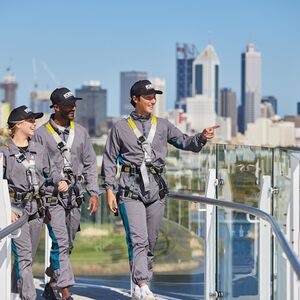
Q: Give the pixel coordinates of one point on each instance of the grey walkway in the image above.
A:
(88, 289)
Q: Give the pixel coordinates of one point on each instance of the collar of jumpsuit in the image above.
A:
(13, 149)
(59, 129)
(136, 116)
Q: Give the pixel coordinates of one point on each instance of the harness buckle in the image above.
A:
(60, 145)
(80, 179)
(21, 158)
(141, 139)
(127, 169)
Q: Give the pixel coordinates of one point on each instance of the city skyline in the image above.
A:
(72, 43)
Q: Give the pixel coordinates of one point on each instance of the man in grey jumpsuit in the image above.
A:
(77, 161)
(139, 144)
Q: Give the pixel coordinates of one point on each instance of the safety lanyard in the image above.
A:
(146, 146)
(30, 170)
(64, 147)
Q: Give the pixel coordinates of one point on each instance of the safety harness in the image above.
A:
(34, 190)
(146, 166)
(65, 151)
(146, 144)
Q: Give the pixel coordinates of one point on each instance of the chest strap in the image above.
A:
(64, 147)
(30, 171)
(146, 144)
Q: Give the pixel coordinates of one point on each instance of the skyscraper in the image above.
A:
(206, 75)
(127, 79)
(201, 107)
(272, 100)
(250, 87)
(9, 85)
(298, 108)
(91, 111)
(185, 56)
(160, 106)
(39, 101)
(228, 108)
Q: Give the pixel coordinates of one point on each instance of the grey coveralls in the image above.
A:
(65, 212)
(24, 247)
(142, 217)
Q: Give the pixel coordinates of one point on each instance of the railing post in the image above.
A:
(224, 222)
(48, 244)
(210, 237)
(5, 244)
(264, 252)
(293, 226)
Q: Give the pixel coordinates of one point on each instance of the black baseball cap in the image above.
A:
(63, 96)
(22, 113)
(143, 87)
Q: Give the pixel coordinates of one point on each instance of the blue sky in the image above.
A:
(96, 39)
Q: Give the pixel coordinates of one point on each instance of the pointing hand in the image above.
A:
(209, 133)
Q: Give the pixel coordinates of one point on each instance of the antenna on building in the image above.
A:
(9, 67)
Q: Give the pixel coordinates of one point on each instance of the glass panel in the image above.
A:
(187, 171)
(280, 272)
(240, 173)
(184, 225)
(179, 263)
(282, 180)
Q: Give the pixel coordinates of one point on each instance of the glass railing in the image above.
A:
(244, 275)
(243, 250)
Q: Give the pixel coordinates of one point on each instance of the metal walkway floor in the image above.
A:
(118, 288)
(89, 290)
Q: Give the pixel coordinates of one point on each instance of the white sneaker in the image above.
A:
(136, 293)
(146, 294)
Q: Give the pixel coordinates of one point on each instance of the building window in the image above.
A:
(199, 79)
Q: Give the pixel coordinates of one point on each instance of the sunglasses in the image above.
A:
(149, 97)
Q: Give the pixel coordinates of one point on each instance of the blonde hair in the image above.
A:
(12, 130)
(4, 132)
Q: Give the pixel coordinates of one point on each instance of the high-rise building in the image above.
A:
(40, 101)
(127, 79)
(266, 132)
(201, 107)
(206, 75)
(228, 108)
(185, 56)
(266, 110)
(160, 106)
(272, 100)
(91, 111)
(298, 108)
(9, 85)
(250, 87)
(200, 112)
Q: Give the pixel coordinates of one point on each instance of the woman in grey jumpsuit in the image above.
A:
(26, 168)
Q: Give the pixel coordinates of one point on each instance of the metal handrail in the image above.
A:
(253, 211)
(16, 225)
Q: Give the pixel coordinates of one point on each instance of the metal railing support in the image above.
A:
(5, 242)
(210, 237)
(293, 226)
(264, 240)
